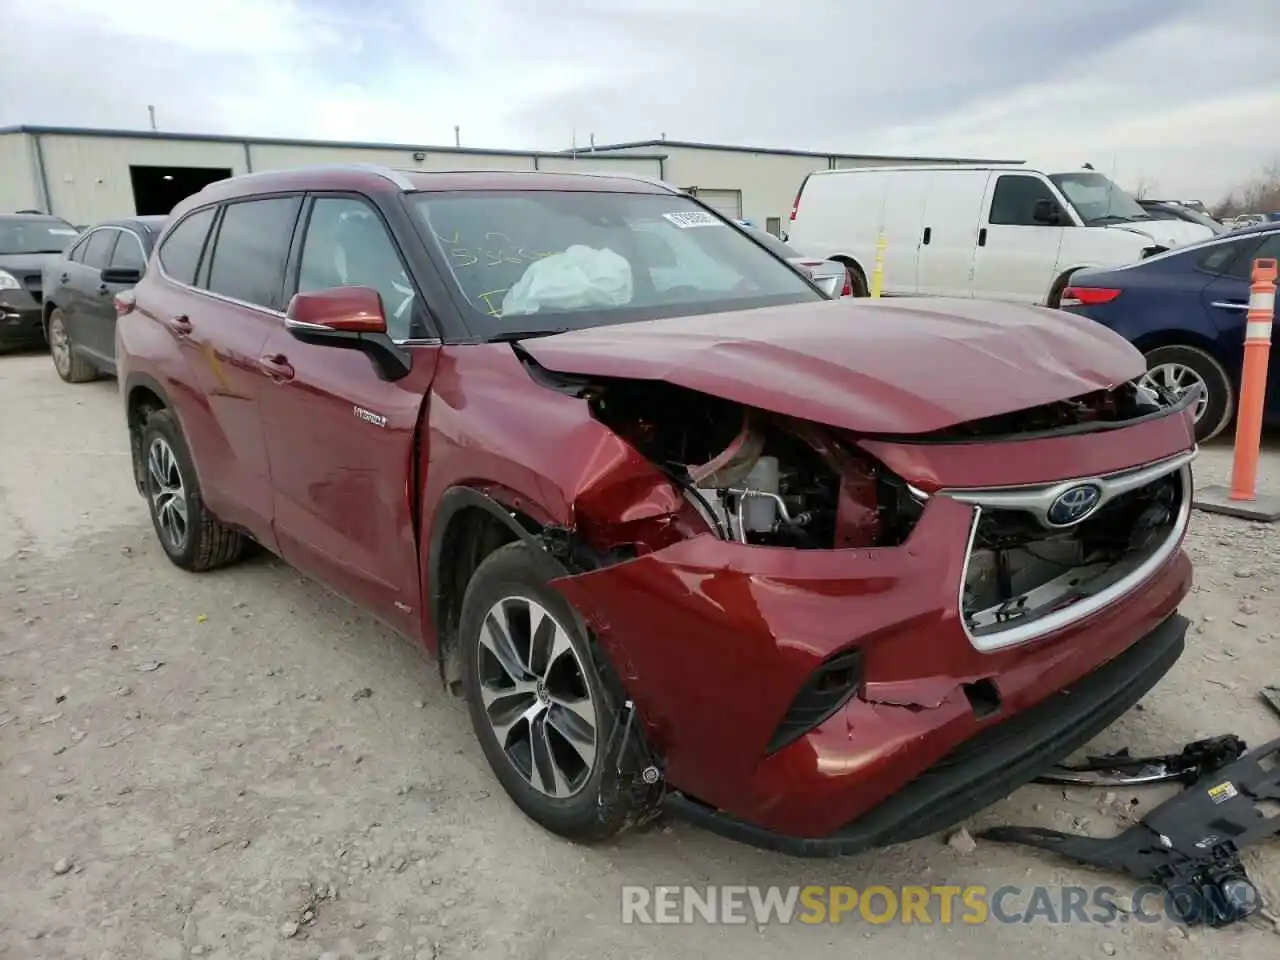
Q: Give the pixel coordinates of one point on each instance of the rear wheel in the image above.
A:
(857, 280)
(539, 704)
(1177, 369)
(70, 366)
(190, 535)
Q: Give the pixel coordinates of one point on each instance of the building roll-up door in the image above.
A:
(727, 203)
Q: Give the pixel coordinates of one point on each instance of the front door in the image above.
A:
(342, 441)
(100, 307)
(1017, 256)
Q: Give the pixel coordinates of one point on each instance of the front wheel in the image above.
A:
(1177, 369)
(540, 707)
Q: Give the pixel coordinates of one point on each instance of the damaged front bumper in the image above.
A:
(718, 644)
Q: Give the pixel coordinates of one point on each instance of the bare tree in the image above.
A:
(1145, 188)
(1261, 194)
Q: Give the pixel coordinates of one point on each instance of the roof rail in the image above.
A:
(377, 169)
(642, 178)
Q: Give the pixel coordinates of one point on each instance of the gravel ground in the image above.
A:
(238, 765)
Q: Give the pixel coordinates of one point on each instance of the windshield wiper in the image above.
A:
(510, 336)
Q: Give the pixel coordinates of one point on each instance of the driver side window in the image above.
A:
(347, 244)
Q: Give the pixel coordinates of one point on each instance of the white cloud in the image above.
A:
(1184, 92)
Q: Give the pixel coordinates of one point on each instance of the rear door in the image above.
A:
(1016, 256)
(227, 301)
(84, 278)
(949, 238)
(341, 439)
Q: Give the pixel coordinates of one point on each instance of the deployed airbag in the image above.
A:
(579, 278)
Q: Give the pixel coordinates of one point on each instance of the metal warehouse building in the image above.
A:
(88, 175)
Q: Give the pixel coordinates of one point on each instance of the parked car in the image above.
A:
(820, 574)
(831, 276)
(991, 232)
(1173, 210)
(1185, 310)
(27, 242)
(80, 287)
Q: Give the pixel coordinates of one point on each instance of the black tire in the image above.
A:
(1221, 406)
(596, 811)
(71, 367)
(857, 279)
(1055, 294)
(206, 543)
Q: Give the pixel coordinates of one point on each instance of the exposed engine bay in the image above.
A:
(1019, 571)
(757, 477)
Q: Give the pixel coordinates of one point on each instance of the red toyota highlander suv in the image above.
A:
(684, 532)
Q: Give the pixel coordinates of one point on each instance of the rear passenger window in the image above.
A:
(97, 253)
(1014, 201)
(251, 249)
(180, 252)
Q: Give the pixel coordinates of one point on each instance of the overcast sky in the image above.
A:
(1185, 93)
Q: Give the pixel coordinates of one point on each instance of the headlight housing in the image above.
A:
(8, 281)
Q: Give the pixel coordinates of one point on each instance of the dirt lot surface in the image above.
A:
(238, 765)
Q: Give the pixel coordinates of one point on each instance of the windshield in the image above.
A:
(541, 260)
(1098, 200)
(35, 236)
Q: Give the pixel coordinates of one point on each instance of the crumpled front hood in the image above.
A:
(1167, 233)
(898, 366)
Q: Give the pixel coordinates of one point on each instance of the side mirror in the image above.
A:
(348, 318)
(126, 276)
(1047, 212)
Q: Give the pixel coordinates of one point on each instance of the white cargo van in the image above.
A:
(990, 232)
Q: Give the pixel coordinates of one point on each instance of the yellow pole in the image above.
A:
(877, 275)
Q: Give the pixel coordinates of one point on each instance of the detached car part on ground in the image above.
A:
(818, 574)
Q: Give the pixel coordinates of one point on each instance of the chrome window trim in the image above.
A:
(1031, 497)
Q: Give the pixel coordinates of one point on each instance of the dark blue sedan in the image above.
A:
(1185, 310)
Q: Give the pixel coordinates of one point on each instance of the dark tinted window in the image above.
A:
(251, 249)
(76, 253)
(1219, 257)
(97, 253)
(1251, 250)
(347, 244)
(128, 254)
(180, 252)
(1015, 198)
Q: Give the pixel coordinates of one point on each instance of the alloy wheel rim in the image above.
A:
(59, 345)
(1176, 379)
(536, 697)
(168, 493)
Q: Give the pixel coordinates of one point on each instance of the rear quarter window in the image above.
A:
(180, 252)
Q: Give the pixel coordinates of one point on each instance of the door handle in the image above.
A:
(1229, 305)
(982, 237)
(928, 234)
(180, 325)
(277, 367)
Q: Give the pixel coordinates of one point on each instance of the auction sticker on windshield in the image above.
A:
(685, 219)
